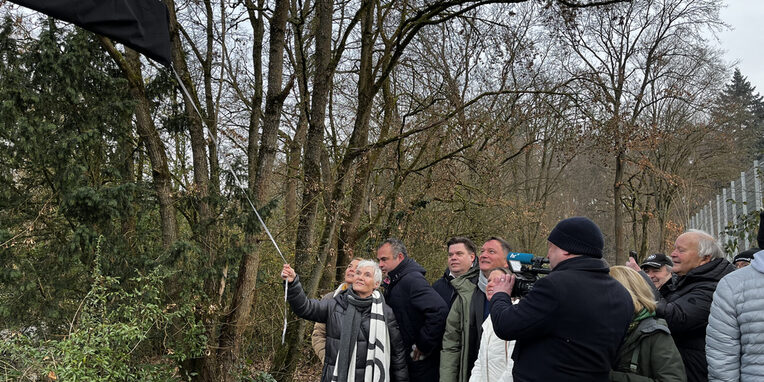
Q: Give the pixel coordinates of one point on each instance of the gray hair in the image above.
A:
(707, 245)
(374, 266)
(396, 245)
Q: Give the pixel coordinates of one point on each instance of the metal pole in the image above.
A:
(744, 199)
(734, 200)
(711, 219)
(726, 218)
(718, 217)
(757, 184)
(743, 192)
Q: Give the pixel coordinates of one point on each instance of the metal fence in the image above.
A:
(742, 196)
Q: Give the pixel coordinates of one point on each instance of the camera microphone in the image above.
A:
(525, 258)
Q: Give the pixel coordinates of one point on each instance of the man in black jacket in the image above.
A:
(461, 257)
(686, 300)
(570, 325)
(420, 311)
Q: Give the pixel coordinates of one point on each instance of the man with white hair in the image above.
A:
(686, 300)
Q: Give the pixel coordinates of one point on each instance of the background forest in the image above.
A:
(128, 246)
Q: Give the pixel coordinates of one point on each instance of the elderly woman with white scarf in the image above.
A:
(363, 342)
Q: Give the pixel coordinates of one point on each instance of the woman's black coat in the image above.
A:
(331, 312)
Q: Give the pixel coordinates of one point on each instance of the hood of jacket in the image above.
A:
(758, 261)
(651, 325)
(646, 328)
(714, 270)
(408, 265)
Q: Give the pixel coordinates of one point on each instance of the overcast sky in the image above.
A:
(745, 42)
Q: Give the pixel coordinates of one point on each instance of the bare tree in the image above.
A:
(622, 52)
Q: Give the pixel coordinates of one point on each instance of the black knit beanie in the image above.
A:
(579, 236)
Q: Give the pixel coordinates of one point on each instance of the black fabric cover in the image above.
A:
(140, 24)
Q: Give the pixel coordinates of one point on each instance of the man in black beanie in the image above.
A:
(570, 325)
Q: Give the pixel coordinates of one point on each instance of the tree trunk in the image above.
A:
(620, 255)
(297, 142)
(211, 116)
(258, 31)
(287, 355)
(349, 231)
(203, 227)
(131, 67)
(358, 138)
(643, 241)
(238, 318)
(274, 100)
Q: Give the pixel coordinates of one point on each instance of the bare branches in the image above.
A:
(589, 4)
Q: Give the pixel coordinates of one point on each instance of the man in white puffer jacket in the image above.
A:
(735, 333)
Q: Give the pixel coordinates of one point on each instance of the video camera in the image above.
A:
(527, 269)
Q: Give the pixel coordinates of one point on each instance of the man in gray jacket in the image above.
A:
(735, 333)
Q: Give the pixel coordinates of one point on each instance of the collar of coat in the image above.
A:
(406, 266)
(714, 270)
(653, 324)
(467, 281)
(583, 263)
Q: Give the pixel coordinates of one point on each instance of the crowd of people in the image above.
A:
(690, 316)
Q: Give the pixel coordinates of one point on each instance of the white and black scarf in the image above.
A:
(378, 351)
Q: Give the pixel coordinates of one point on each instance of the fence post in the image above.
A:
(743, 193)
(711, 218)
(718, 218)
(734, 204)
(745, 202)
(726, 218)
(757, 184)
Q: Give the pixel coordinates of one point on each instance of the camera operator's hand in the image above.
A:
(505, 284)
(287, 273)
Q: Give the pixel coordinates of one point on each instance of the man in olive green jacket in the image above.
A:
(464, 324)
(454, 357)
